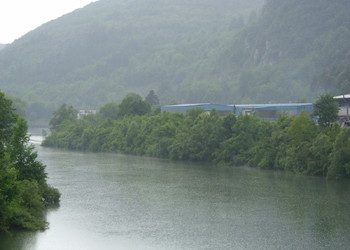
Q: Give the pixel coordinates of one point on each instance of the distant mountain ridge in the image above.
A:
(109, 48)
(2, 46)
(222, 51)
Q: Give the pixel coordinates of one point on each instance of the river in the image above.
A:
(112, 201)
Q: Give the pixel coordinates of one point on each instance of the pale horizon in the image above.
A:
(18, 17)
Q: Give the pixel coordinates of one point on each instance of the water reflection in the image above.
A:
(123, 202)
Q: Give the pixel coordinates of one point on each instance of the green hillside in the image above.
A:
(295, 51)
(224, 51)
(101, 52)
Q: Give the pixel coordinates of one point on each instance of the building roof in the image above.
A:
(270, 105)
(205, 106)
(187, 105)
(342, 96)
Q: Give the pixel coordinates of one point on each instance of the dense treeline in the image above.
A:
(291, 144)
(24, 192)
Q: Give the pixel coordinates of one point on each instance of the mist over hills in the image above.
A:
(223, 51)
(99, 53)
(295, 51)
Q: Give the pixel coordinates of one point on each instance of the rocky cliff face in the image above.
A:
(297, 45)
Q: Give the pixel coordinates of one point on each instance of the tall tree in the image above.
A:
(152, 98)
(110, 110)
(24, 192)
(340, 158)
(133, 104)
(63, 113)
(326, 108)
(7, 120)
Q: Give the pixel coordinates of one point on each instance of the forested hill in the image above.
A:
(296, 45)
(187, 51)
(2, 46)
(109, 48)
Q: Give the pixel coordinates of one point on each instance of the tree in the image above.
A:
(110, 110)
(23, 156)
(301, 129)
(19, 106)
(321, 150)
(133, 104)
(152, 98)
(340, 158)
(24, 192)
(7, 120)
(300, 134)
(63, 113)
(326, 108)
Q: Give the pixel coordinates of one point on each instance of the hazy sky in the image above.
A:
(17, 17)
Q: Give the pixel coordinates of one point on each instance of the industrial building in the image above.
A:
(271, 112)
(344, 104)
(268, 112)
(183, 108)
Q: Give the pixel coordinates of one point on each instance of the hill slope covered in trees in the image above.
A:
(302, 46)
(110, 48)
(188, 51)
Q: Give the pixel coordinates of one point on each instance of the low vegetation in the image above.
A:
(24, 192)
(291, 144)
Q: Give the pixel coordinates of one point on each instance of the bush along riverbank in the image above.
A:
(24, 192)
(291, 144)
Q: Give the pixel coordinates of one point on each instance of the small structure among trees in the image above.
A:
(344, 108)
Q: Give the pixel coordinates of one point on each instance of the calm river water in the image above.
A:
(112, 201)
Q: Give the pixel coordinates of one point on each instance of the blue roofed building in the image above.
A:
(268, 112)
(183, 108)
(271, 112)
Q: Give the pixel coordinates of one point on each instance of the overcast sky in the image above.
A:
(17, 17)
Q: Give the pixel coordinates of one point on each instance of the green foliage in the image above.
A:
(19, 106)
(152, 98)
(301, 129)
(291, 144)
(237, 149)
(110, 110)
(24, 192)
(63, 113)
(7, 120)
(23, 155)
(340, 160)
(198, 137)
(133, 104)
(50, 195)
(326, 108)
(320, 155)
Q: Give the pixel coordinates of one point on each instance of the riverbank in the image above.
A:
(290, 144)
(116, 201)
(24, 191)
